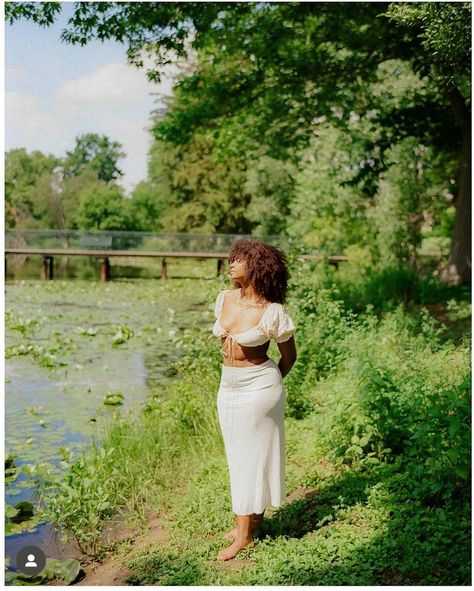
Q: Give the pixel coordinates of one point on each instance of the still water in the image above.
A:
(68, 345)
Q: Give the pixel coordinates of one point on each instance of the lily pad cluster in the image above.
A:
(66, 571)
(122, 335)
(113, 399)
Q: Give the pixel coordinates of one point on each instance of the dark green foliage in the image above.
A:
(43, 14)
(96, 152)
(445, 34)
(194, 192)
(173, 568)
(385, 288)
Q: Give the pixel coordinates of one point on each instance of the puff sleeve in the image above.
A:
(281, 326)
(218, 304)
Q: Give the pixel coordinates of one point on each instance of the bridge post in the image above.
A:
(105, 269)
(164, 269)
(220, 267)
(47, 268)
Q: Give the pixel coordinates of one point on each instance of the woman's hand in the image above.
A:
(288, 355)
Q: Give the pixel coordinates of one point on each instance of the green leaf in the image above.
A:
(11, 511)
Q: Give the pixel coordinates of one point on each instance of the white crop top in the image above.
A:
(275, 323)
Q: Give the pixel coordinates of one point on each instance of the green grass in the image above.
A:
(356, 527)
(378, 458)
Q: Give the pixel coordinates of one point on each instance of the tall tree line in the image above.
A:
(386, 84)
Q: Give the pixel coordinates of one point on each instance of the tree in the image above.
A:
(327, 213)
(271, 185)
(38, 194)
(197, 193)
(103, 207)
(71, 189)
(407, 199)
(47, 195)
(272, 70)
(23, 172)
(444, 31)
(322, 59)
(57, 197)
(96, 152)
(146, 207)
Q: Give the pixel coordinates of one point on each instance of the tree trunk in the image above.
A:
(458, 269)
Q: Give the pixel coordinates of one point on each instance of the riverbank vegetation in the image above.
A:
(378, 453)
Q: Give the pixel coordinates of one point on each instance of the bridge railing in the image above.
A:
(133, 241)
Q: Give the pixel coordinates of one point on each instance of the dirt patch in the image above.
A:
(118, 531)
(109, 571)
(302, 493)
(106, 573)
(156, 534)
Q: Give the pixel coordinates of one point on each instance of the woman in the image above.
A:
(251, 396)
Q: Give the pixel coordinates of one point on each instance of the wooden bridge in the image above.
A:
(105, 245)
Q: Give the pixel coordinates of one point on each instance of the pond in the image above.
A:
(76, 352)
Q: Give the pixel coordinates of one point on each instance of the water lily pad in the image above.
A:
(122, 335)
(10, 511)
(19, 579)
(67, 570)
(113, 398)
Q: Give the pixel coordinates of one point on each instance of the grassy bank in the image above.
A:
(378, 453)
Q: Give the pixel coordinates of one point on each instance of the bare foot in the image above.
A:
(232, 550)
(256, 525)
(231, 535)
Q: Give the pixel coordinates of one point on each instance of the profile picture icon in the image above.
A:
(31, 560)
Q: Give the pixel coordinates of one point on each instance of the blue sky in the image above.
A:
(55, 92)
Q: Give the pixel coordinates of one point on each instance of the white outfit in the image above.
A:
(251, 408)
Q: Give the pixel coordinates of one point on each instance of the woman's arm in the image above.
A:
(288, 355)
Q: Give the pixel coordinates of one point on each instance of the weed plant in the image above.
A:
(378, 454)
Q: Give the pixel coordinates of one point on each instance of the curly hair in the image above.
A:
(267, 266)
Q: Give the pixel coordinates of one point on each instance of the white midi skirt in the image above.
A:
(251, 409)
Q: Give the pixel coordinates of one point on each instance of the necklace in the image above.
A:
(248, 305)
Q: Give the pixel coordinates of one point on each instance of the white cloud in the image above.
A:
(27, 123)
(113, 86)
(12, 72)
(114, 100)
